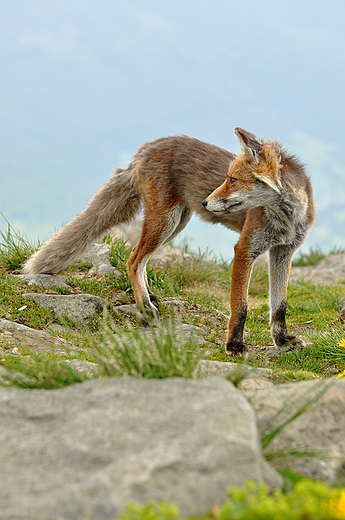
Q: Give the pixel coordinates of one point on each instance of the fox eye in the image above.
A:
(232, 180)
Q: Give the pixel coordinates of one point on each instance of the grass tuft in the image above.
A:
(314, 255)
(159, 352)
(15, 248)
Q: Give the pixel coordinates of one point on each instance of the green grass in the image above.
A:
(203, 285)
(40, 370)
(159, 352)
(314, 255)
(15, 248)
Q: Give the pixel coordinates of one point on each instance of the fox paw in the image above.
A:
(292, 343)
(153, 299)
(235, 349)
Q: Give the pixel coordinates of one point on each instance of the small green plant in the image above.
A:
(151, 511)
(294, 406)
(15, 248)
(162, 351)
(307, 500)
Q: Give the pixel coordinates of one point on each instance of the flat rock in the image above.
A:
(15, 336)
(76, 307)
(328, 271)
(45, 281)
(224, 369)
(319, 430)
(250, 378)
(86, 450)
(85, 367)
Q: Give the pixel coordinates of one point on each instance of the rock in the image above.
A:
(86, 450)
(45, 281)
(98, 256)
(166, 255)
(16, 335)
(272, 351)
(184, 328)
(131, 310)
(106, 268)
(250, 378)
(76, 307)
(319, 430)
(328, 271)
(225, 369)
(85, 367)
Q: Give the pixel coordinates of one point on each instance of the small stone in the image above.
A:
(131, 310)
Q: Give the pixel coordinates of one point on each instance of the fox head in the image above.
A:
(252, 179)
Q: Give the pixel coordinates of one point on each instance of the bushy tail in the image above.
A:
(117, 201)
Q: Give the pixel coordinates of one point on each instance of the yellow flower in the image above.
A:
(341, 502)
(342, 374)
(336, 506)
(341, 343)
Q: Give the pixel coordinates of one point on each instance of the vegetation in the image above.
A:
(162, 352)
(14, 248)
(203, 287)
(116, 345)
(307, 500)
(314, 255)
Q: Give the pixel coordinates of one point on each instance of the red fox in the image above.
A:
(263, 193)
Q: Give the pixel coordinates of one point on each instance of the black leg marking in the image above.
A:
(235, 345)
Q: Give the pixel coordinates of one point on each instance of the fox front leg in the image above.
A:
(241, 271)
(280, 258)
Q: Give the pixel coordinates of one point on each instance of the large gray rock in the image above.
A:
(86, 450)
(328, 271)
(76, 307)
(319, 430)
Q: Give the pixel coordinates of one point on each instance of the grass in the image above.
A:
(203, 286)
(159, 352)
(15, 248)
(314, 255)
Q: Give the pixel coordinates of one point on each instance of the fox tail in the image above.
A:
(117, 201)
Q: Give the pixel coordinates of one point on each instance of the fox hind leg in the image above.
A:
(182, 216)
(280, 258)
(157, 230)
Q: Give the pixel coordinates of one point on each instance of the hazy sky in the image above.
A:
(83, 83)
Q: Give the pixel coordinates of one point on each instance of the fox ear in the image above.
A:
(249, 144)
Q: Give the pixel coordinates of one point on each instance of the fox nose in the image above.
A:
(204, 203)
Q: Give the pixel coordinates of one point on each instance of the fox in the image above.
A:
(264, 194)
